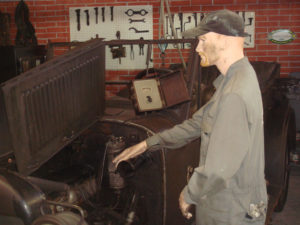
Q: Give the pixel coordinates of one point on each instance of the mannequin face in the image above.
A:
(209, 48)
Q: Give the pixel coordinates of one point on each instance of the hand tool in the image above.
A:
(78, 18)
(167, 28)
(87, 17)
(141, 52)
(134, 21)
(131, 52)
(96, 14)
(103, 14)
(131, 12)
(189, 21)
(180, 15)
(195, 19)
(138, 31)
(111, 13)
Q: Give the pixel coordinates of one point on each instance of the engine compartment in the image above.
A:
(82, 186)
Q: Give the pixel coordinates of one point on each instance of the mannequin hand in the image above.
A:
(130, 152)
(184, 207)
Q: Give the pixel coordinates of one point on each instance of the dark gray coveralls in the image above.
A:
(228, 187)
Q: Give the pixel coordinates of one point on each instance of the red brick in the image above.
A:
(267, 24)
(57, 18)
(236, 7)
(289, 47)
(289, 58)
(190, 9)
(267, 58)
(211, 8)
(40, 30)
(268, 47)
(45, 2)
(277, 53)
(45, 13)
(291, 11)
(295, 52)
(178, 3)
(246, 1)
(257, 53)
(67, 2)
(261, 18)
(62, 13)
(295, 64)
(269, 1)
(63, 24)
(46, 24)
(56, 7)
(201, 2)
(47, 35)
(56, 30)
(288, 24)
(280, 18)
(63, 35)
(37, 8)
(295, 17)
(84, 1)
(223, 2)
(59, 40)
(261, 35)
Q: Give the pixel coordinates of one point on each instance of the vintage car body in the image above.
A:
(58, 140)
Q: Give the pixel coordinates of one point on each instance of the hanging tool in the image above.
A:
(131, 52)
(118, 35)
(250, 21)
(149, 52)
(134, 21)
(96, 14)
(118, 51)
(171, 20)
(163, 48)
(167, 28)
(138, 31)
(87, 17)
(195, 19)
(103, 14)
(131, 12)
(189, 21)
(78, 18)
(180, 15)
(141, 52)
(111, 13)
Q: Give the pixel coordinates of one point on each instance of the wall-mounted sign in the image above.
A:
(281, 36)
(185, 21)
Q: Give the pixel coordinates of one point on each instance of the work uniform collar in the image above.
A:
(230, 71)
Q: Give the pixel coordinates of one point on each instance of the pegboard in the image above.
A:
(131, 22)
(185, 21)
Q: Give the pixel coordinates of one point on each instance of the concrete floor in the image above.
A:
(291, 212)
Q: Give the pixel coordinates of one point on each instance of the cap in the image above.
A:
(223, 22)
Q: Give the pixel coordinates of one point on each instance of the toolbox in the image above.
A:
(159, 92)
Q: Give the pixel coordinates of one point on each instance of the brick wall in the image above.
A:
(51, 21)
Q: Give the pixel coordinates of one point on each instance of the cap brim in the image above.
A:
(195, 32)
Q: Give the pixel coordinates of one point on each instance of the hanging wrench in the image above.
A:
(138, 31)
(131, 12)
(133, 21)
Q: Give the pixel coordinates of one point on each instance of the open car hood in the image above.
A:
(49, 106)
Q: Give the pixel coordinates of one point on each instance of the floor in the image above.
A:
(291, 212)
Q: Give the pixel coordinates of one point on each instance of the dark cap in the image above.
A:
(223, 22)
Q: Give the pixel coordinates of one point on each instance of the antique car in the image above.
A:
(59, 136)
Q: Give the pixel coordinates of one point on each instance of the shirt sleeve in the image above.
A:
(228, 145)
(179, 135)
